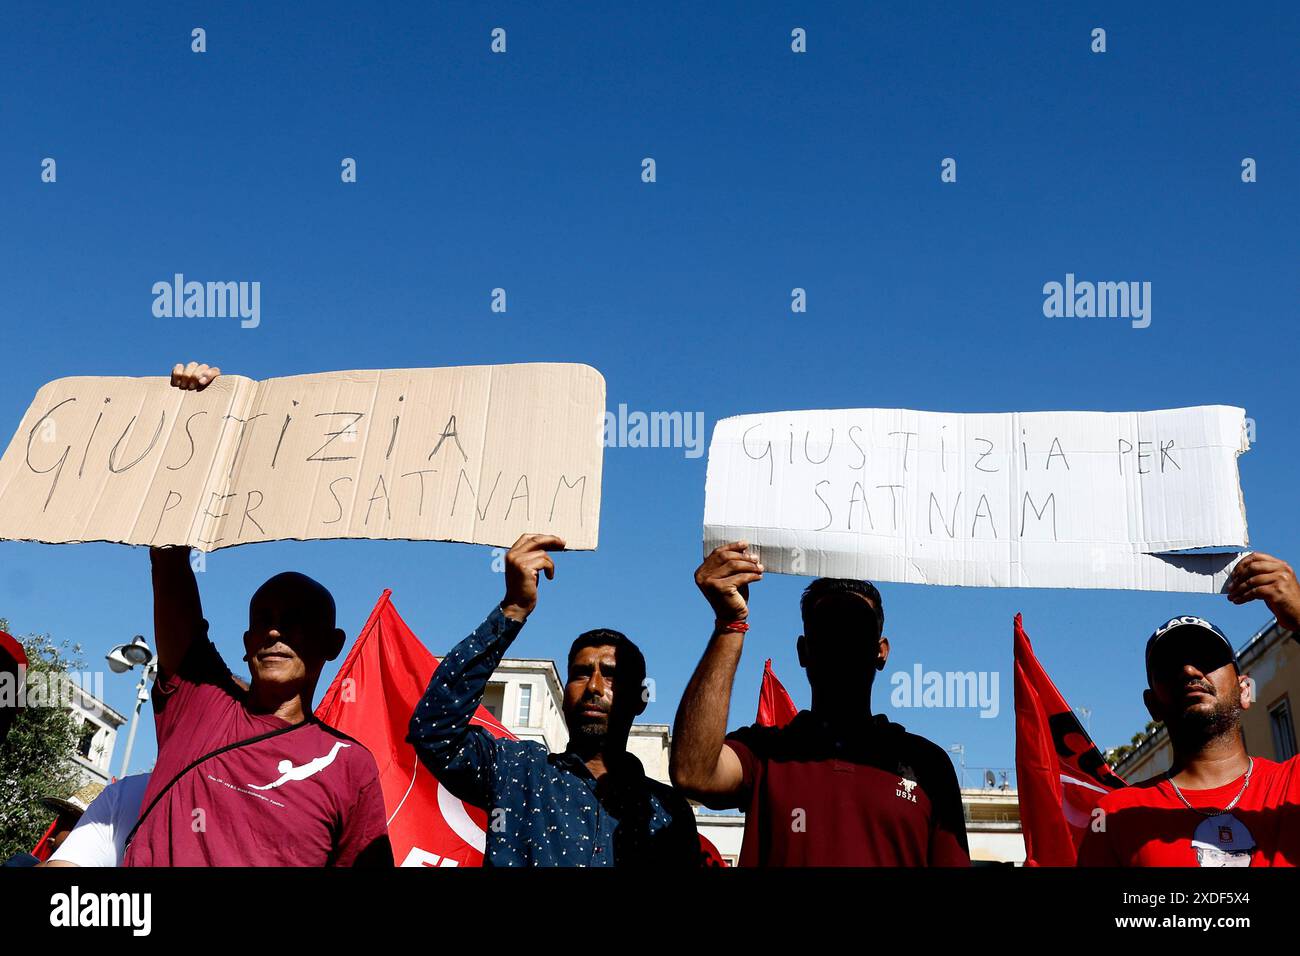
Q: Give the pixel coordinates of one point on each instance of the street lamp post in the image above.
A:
(121, 659)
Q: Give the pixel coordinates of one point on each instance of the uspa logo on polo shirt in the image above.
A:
(906, 784)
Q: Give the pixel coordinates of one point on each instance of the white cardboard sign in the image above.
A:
(1025, 499)
(479, 454)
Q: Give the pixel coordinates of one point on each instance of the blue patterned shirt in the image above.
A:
(544, 809)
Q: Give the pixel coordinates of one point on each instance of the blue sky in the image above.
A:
(775, 170)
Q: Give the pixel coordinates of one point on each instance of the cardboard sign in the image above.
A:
(1028, 499)
(479, 454)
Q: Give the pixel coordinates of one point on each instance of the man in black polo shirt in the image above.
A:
(837, 786)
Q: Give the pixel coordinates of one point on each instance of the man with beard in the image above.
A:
(1216, 805)
(838, 785)
(592, 804)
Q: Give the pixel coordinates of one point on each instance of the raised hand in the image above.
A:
(1262, 577)
(724, 579)
(194, 377)
(525, 561)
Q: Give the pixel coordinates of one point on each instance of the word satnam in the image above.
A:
(849, 500)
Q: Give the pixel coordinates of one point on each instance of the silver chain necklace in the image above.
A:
(1250, 766)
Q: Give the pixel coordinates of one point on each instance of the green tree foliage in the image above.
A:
(1117, 755)
(35, 759)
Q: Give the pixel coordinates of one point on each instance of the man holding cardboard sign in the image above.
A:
(1217, 805)
(590, 805)
(837, 786)
(246, 776)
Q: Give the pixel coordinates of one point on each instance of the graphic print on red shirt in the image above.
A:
(893, 800)
(308, 797)
(1147, 825)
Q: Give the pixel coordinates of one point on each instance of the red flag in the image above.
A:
(775, 708)
(710, 856)
(13, 662)
(43, 851)
(372, 699)
(1059, 770)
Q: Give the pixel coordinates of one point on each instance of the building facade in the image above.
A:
(97, 735)
(993, 829)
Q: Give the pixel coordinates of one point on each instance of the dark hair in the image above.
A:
(825, 587)
(630, 660)
(309, 593)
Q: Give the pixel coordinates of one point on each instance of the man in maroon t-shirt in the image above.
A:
(1216, 805)
(284, 788)
(836, 786)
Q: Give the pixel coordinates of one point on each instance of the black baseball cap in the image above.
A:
(1190, 634)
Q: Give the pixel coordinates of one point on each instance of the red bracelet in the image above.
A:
(740, 627)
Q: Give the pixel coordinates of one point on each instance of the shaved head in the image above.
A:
(290, 636)
(311, 599)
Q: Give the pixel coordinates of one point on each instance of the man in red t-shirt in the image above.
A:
(837, 786)
(272, 786)
(1216, 806)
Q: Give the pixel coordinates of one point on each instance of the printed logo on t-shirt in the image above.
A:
(1222, 840)
(289, 773)
(906, 784)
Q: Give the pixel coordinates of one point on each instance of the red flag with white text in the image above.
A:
(372, 699)
(1060, 773)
